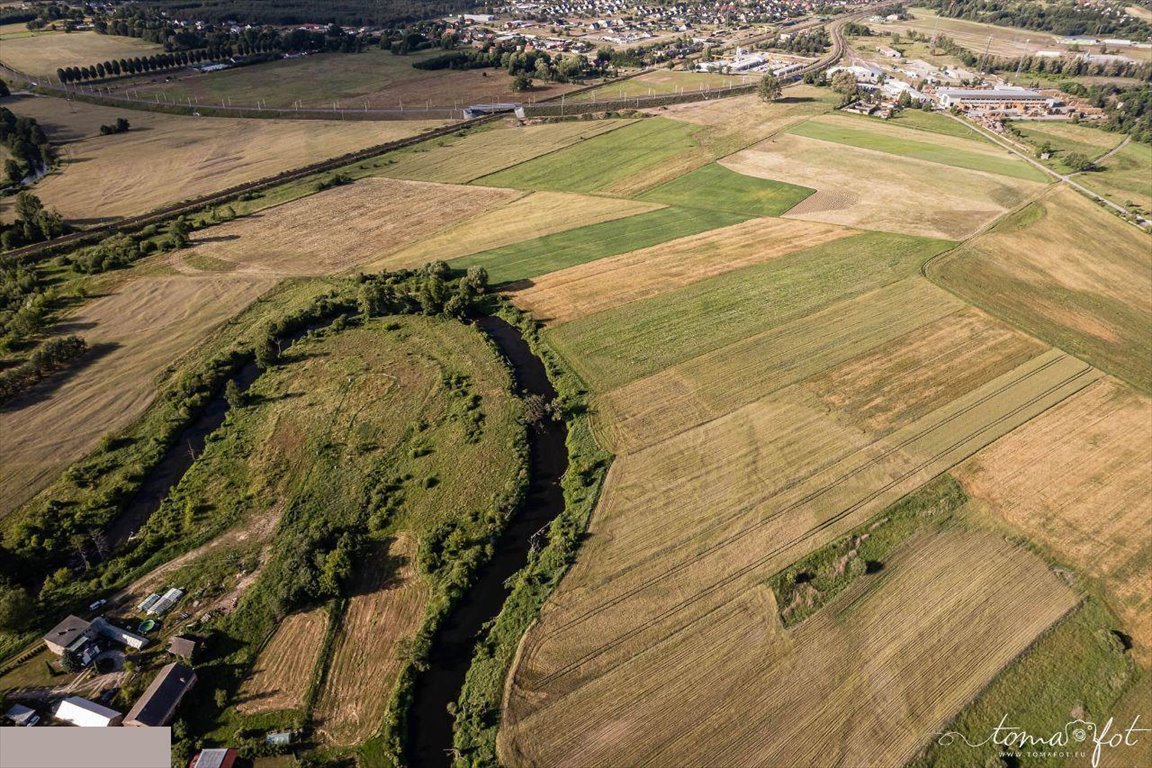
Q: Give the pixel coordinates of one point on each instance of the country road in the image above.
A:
(1127, 215)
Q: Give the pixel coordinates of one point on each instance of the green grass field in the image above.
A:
(714, 187)
(623, 344)
(874, 138)
(933, 122)
(1066, 137)
(1077, 670)
(578, 246)
(599, 162)
(1125, 177)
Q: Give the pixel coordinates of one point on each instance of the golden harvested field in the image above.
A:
(605, 283)
(1076, 480)
(283, 670)
(342, 228)
(387, 607)
(459, 161)
(1090, 295)
(876, 190)
(856, 678)
(168, 158)
(752, 491)
(889, 387)
(135, 333)
(538, 214)
(703, 388)
(43, 54)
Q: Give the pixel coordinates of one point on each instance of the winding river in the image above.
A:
(430, 724)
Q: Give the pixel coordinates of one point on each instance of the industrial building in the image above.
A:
(998, 99)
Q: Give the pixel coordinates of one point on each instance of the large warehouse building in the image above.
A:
(993, 98)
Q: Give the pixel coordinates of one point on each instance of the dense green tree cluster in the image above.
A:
(22, 302)
(53, 355)
(1062, 17)
(1128, 109)
(34, 223)
(38, 17)
(809, 41)
(27, 144)
(532, 64)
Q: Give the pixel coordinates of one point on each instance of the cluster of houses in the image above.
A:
(79, 643)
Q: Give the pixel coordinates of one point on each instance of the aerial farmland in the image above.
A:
(676, 388)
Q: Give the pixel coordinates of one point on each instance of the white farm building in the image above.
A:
(87, 714)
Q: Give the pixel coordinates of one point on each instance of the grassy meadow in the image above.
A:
(717, 188)
(549, 253)
(596, 163)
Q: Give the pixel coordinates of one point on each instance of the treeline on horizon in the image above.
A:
(286, 12)
(1061, 17)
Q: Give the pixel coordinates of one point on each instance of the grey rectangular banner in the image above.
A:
(85, 747)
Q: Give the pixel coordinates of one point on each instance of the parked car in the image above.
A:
(97, 605)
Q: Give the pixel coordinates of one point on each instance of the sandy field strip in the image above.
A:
(458, 161)
(889, 387)
(876, 190)
(343, 228)
(387, 607)
(752, 492)
(284, 668)
(853, 678)
(1076, 480)
(1091, 296)
(168, 158)
(605, 283)
(538, 214)
(135, 333)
